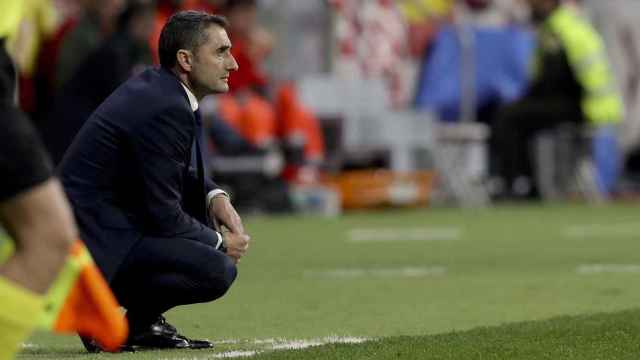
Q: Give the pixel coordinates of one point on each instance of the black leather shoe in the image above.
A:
(198, 344)
(154, 340)
(162, 335)
(162, 326)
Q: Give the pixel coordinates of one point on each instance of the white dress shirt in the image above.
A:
(193, 101)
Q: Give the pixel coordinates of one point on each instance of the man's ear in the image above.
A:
(184, 59)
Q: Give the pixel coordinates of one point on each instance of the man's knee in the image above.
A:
(220, 277)
(230, 272)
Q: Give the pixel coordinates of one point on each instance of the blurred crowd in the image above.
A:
(71, 54)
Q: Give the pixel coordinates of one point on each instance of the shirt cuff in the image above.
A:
(213, 193)
(219, 243)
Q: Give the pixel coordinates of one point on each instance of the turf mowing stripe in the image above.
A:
(581, 231)
(404, 272)
(589, 269)
(360, 235)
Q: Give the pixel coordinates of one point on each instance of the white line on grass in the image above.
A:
(234, 354)
(273, 345)
(589, 269)
(303, 344)
(582, 231)
(360, 235)
(403, 272)
(283, 344)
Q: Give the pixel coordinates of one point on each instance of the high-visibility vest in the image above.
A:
(418, 11)
(601, 102)
(10, 15)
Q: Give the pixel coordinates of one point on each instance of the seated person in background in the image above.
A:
(572, 83)
(223, 137)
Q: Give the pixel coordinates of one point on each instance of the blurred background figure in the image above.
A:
(38, 25)
(274, 130)
(252, 44)
(96, 21)
(621, 33)
(123, 54)
(573, 83)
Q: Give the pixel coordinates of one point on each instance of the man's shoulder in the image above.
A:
(146, 95)
(156, 82)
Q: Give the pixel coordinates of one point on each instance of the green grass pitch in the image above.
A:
(422, 284)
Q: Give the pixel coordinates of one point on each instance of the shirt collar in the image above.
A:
(193, 101)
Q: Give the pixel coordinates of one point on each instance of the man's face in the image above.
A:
(213, 63)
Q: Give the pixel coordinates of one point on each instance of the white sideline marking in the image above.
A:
(607, 268)
(404, 272)
(228, 341)
(282, 344)
(274, 344)
(235, 354)
(602, 230)
(303, 344)
(266, 341)
(404, 234)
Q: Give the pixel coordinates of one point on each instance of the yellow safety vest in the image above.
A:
(601, 102)
(419, 11)
(10, 15)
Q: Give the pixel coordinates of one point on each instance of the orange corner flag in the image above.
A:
(80, 301)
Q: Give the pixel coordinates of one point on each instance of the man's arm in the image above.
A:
(222, 211)
(161, 147)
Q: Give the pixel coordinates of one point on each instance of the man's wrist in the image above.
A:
(215, 193)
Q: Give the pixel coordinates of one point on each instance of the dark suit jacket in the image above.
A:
(127, 174)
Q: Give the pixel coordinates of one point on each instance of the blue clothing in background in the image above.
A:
(502, 69)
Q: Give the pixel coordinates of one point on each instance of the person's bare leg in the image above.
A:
(41, 223)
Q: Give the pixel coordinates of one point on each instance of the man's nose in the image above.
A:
(233, 64)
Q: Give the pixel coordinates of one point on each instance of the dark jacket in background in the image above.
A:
(95, 79)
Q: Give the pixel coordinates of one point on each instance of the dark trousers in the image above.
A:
(160, 273)
(517, 124)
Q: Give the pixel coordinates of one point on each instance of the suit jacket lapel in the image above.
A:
(201, 174)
